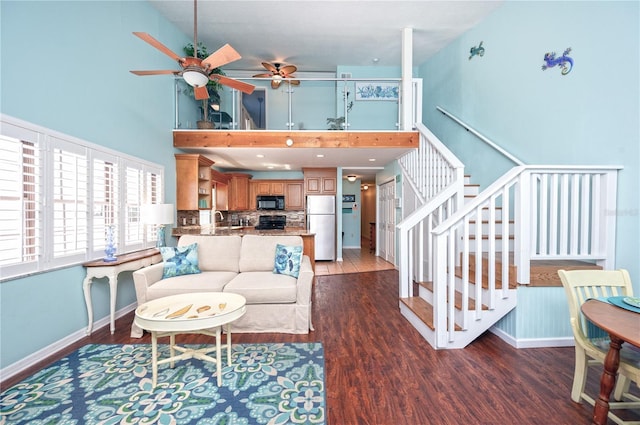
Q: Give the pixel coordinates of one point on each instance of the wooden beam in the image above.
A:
(301, 139)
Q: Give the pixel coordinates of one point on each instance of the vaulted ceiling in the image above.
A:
(318, 36)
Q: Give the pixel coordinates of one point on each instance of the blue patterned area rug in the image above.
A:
(111, 384)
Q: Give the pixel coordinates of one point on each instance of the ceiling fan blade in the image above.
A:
(263, 76)
(236, 84)
(220, 57)
(155, 43)
(270, 67)
(275, 84)
(288, 69)
(293, 82)
(161, 72)
(201, 93)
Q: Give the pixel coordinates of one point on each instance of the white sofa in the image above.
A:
(242, 265)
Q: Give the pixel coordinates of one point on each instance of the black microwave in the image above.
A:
(270, 202)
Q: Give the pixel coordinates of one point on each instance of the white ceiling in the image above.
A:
(317, 36)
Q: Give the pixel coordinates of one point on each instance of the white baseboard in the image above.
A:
(47, 351)
(352, 247)
(533, 342)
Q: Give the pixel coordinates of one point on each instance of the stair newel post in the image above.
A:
(405, 252)
(439, 290)
(524, 229)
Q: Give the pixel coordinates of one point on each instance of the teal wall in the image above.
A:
(590, 116)
(78, 56)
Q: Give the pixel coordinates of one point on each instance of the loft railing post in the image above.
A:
(524, 230)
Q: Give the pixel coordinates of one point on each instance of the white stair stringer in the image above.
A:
(475, 328)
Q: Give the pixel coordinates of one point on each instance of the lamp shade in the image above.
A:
(195, 78)
(156, 213)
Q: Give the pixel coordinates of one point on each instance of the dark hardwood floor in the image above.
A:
(380, 371)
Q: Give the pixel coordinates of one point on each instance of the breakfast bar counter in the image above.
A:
(308, 239)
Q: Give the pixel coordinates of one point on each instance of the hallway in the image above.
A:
(354, 261)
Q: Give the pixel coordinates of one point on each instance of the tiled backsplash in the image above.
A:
(192, 218)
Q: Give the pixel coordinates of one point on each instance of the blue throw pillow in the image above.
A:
(180, 260)
(288, 259)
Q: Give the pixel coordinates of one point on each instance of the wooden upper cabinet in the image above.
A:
(294, 195)
(222, 196)
(239, 192)
(193, 182)
(320, 181)
(292, 190)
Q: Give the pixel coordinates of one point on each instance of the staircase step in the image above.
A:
(485, 271)
(423, 310)
(458, 297)
(545, 272)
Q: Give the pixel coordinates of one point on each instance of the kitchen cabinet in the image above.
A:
(320, 181)
(267, 187)
(222, 196)
(193, 182)
(294, 195)
(239, 192)
(292, 190)
(220, 186)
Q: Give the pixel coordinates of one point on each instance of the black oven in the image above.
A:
(270, 202)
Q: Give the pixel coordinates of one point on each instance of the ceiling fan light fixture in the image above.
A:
(195, 77)
(277, 77)
(351, 178)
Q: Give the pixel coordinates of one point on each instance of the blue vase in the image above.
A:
(110, 248)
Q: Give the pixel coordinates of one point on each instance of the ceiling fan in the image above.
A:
(195, 71)
(278, 73)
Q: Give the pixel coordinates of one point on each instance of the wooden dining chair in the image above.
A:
(591, 343)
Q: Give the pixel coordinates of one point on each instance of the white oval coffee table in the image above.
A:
(200, 312)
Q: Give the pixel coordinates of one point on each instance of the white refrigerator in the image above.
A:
(321, 220)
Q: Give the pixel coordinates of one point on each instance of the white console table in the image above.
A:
(99, 269)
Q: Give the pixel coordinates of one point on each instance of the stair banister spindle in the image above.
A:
(575, 213)
(492, 249)
(585, 213)
(564, 218)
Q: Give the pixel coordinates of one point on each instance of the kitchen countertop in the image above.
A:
(237, 230)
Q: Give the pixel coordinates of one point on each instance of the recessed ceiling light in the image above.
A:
(372, 159)
(320, 155)
(260, 155)
(270, 167)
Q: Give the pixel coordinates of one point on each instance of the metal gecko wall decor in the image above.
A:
(479, 51)
(564, 62)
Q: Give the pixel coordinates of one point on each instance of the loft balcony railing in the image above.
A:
(316, 104)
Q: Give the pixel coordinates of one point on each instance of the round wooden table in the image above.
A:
(622, 326)
(202, 313)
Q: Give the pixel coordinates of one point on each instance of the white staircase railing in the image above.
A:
(530, 213)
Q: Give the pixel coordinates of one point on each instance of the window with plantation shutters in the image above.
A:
(70, 201)
(105, 197)
(59, 195)
(20, 208)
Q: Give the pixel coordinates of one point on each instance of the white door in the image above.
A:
(387, 226)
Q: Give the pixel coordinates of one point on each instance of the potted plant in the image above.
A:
(213, 87)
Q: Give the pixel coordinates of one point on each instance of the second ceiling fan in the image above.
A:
(278, 74)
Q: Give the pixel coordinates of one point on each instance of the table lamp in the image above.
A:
(158, 214)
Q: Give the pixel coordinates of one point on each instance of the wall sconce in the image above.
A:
(159, 214)
(351, 178)
(289, 142)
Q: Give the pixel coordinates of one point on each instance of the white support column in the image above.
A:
(406, 92)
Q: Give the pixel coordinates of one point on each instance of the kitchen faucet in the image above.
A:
(221, 216)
